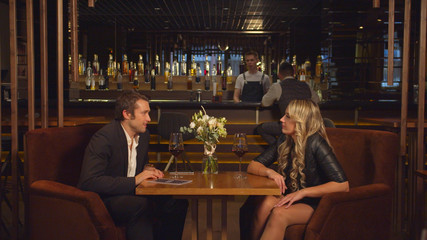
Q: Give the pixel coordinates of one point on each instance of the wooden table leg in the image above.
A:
(209, 231)
(194, 218)
(224, 218)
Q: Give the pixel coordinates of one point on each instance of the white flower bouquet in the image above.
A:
(207, 129)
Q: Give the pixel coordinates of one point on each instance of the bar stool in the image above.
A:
(171, 122)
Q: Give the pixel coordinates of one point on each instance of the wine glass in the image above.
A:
(240, 147)
(176, 147)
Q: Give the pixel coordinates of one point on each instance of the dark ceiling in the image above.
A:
(200, 15)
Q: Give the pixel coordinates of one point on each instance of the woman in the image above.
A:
(307, 170)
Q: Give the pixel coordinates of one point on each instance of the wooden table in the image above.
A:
(211, 186)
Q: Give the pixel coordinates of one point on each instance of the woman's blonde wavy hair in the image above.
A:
(308, 121)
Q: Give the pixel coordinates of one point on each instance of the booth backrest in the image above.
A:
(367, 156)
(56, 153)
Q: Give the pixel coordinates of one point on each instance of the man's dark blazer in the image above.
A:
(105, 163)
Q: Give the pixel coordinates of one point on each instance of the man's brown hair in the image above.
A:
(126, 101)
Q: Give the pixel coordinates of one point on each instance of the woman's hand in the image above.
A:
(280, 181)
(290, 198)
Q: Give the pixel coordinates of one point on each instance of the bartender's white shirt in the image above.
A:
(132, 144)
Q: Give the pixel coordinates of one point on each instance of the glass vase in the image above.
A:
(210, 160)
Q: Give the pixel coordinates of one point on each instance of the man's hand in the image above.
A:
(280, 181)
(148, 174)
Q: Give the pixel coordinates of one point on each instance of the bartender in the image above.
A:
(252, 84)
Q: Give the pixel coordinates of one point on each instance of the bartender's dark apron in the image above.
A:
(252, 91)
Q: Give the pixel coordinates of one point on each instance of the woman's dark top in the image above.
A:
(321, 164)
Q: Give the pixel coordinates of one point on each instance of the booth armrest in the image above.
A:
(56, 204)
(362, 213)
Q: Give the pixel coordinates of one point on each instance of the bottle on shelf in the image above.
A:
(307, 67)
(131, 71)
(229, 74)
(175, 67)
(184, 65)
(82, 69)
(214, 71)
(95, 64)
(219, 66)
(153, 79)
(193, 67)
(167, 72)
(89, 76)
(157, 65)
(242, 67)
(101, 80)
(198, 73)
(294, 65)
(263, 68)
(207, 72)
(318, 70)
(170, 83)
(125, 65)
(140, 64)
(147, 74)
(274, 71)
(135, 84)
(207, 83)
(189, 82)
(119, 79)
(110, 65)
(224, 81)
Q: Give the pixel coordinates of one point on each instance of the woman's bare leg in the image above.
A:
(264, 204)
(280, 218)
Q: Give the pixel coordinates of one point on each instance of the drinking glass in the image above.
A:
(240, 147)
(176, 147)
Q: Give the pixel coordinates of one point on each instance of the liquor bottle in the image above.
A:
(214, 71)
(107, 82)
(193, 67)
(101, 80)
(229, 74)
(153, 79)
(140, 65)
(175, 67)
(119, 80)
(207, 83)
(167, 72)
(274, 71)
(263, 68)
(307, 67)
(170, 83)
(207, 72)
(110, 65)
(184, 66)
(294, 65)
(198, 72)
(242, 66)
(131, 72)
(89, 76)
(125, 65)
(135, 84)
(224, 81)
(189, 83)
(147, 74)
(219, 66)
(157, 65)
(318, 72)
(81, 65)
(95, 64)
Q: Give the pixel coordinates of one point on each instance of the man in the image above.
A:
(113, 166)
(283, 92)
(252, 84)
